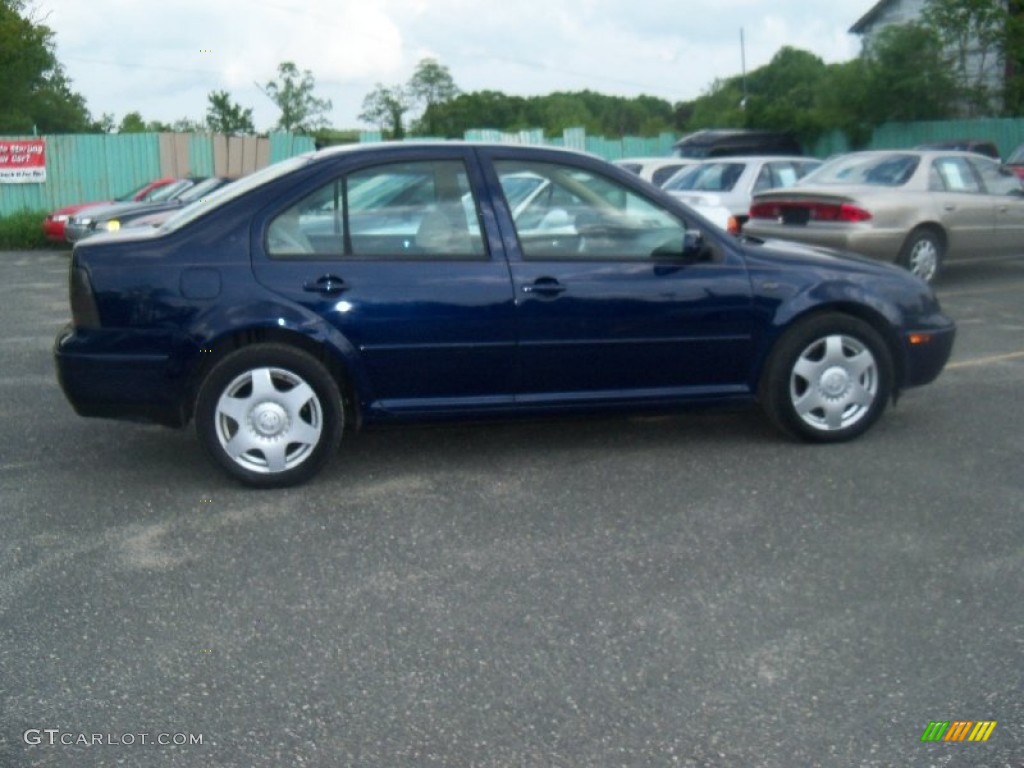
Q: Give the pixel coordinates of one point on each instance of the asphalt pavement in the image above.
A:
(681, 590)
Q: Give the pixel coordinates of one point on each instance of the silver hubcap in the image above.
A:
(924, 259)
(834, 383)
(269, 420)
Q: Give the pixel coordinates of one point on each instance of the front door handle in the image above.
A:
(328, 285)
(545, 286)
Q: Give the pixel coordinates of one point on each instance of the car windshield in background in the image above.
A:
(170, 190)
(888, 170)
(229, 192)
(706, 177)
(198, 190)
(129, 196)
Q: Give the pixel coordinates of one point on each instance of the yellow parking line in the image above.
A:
(985, 360)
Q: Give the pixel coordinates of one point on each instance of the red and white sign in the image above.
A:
(22, 161)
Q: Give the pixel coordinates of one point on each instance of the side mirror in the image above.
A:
(690, 251)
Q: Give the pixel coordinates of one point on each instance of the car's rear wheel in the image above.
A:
(828, 379)
(270, 415)
(922, 253)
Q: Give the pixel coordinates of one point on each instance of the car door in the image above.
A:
(1004, 188)
(395, 258)
(966, 211)
(607, 305)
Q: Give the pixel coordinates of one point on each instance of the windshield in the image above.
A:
(131, 195)
(229, 192)
(170, 190)
(198, 190)
(706, 177)
(886, 170)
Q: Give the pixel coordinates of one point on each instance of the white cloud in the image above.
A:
(147, 55)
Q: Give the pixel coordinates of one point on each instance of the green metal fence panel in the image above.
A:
(87, 167)
(200, 155)
(1007, 133)
(285, 145)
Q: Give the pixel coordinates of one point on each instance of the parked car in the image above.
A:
(81, 224)
(53, 224)
(729, 142)
(732, 182)
(126, 216)
(656, 170)
(607, 294)
(915, 208)
(1015, 162)
(978, 146)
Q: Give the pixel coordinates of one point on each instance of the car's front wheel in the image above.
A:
(269, 414)
(829, 378)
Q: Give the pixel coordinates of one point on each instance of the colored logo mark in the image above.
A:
(958, 730)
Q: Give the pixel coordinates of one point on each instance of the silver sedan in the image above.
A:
(915, 208)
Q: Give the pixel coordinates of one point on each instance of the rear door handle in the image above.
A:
(328, 285)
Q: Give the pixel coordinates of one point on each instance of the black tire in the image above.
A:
(922, 253)
(828, 379)
(270, 415)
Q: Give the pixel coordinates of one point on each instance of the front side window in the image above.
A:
(573, 213)
(400, 210)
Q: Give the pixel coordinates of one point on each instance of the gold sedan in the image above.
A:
(918, 209)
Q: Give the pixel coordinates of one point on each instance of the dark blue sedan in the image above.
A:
(446, 280)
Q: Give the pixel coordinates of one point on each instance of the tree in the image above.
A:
(34, 91)
(974, 34)
(385, 107)
(132, 123)
(907, 76)
(430, 86)
(300, 109)
(224, 116)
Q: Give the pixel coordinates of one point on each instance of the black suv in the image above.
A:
(736, 141)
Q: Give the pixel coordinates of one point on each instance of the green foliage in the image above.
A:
(225, 116)
(973, 34)
(23, 231)
(385, 107)
(132, 123)
(430, 86)
(907, 76)
(300, 109)
(34, 91)
(553, 113)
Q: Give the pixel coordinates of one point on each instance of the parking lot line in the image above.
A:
(985, 360)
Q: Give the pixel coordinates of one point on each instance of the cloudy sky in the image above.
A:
(162, 57)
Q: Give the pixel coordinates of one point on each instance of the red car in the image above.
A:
(53, 224)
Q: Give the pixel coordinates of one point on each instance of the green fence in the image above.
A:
(84, 167)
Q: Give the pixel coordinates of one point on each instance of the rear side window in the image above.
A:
(956, 175)
(412, 210)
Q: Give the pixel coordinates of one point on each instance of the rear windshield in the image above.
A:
(890, 170)
(706, 177)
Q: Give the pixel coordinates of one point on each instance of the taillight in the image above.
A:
(841, 212)
(765, 211)
(801, 213)
(84, 312)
